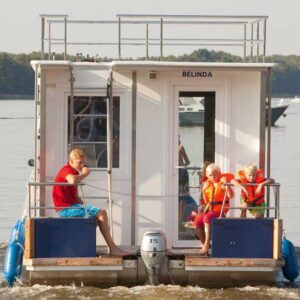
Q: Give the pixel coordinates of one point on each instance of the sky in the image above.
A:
(20, 22)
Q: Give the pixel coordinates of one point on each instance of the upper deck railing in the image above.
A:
(160, 33)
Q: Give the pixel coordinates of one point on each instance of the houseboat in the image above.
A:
(125, 114)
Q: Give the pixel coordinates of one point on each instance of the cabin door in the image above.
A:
(194, 142)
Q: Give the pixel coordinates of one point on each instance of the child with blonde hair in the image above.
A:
(253, 196)
(216, 198)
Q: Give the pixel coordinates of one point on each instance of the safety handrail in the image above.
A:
(43, 184)
(276, 207)
(188, 168)
(50, 183)
(252, 35)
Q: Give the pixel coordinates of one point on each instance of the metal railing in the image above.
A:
(37, 207)
(268, 208)
(252, 33)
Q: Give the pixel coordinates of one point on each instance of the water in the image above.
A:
(285, 168)
(17, 131)
(149, 293)
(17, 146)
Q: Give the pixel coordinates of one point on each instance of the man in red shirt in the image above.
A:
(69, 204)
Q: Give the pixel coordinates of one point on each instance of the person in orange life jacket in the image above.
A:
(252, 197)
(202, 179)
(214, 193)
(68, 203)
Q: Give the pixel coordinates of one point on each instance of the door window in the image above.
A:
(196, 145)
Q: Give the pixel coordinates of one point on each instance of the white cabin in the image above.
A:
(145, 184)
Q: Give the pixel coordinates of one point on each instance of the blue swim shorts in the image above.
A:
(79, 212)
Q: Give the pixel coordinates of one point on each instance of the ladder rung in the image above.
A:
(83, 143)
(90, 115)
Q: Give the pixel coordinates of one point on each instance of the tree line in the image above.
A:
(17, 75)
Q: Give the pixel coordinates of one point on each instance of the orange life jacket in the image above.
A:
(215, 194)
(201, 182)
(252, 196)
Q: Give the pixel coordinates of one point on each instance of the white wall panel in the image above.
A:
(237, 137)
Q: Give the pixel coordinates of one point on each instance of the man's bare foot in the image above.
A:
(119, 252)
(203, 251)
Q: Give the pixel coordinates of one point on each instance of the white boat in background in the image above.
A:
(295, 100)
(191, 111)
(278, 110)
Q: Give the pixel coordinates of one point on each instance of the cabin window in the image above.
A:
(90, 129)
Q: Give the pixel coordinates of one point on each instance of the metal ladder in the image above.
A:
(109, 135)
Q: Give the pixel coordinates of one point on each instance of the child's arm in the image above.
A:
(206, 203)
(184, 156)
(230, 192)
(262, 184)
(237, 183)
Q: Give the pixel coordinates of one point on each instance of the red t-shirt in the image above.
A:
(64, 196)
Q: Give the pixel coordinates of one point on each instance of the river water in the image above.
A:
(17, 138)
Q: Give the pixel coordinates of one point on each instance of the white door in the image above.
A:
(194, 144)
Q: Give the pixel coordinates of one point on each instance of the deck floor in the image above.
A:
(191, 256)
(171, 253)
(182, 267)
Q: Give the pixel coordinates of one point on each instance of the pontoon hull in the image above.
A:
(189, 269)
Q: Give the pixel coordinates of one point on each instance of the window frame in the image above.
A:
(95, 115)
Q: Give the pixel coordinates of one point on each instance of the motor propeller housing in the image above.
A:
(153, 252)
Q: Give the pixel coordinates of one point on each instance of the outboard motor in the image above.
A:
(153, 252)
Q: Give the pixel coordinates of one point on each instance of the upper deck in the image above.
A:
(151, 65)
(148, 36)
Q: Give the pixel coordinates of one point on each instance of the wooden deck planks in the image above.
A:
(97, 261)
(29, 238)
(232, 262)
(190, 260)
(277, 238)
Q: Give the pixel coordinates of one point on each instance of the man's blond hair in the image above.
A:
(251, 169)
(77, 153)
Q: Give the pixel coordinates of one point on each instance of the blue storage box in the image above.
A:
(242, 238)
(64, 237)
